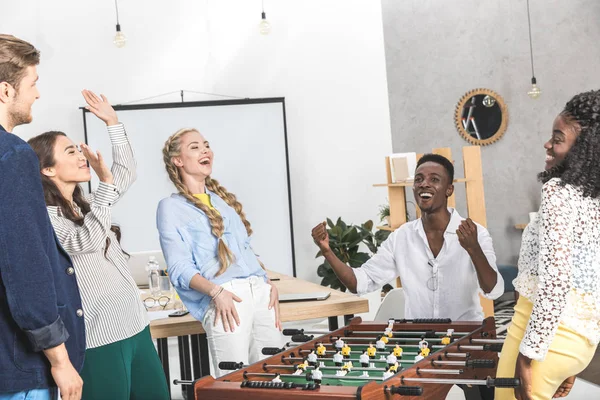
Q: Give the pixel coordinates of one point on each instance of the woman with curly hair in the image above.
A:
(556, 325)
(205, 237)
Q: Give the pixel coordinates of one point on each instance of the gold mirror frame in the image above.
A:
(459, 112)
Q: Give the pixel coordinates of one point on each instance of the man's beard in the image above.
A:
(17, 113)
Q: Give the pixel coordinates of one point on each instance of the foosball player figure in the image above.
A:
(301, 368)
(398, 351)
(348, 366)
(448, 338)
(338, 359)
(317, 376)
(346, 350)
(388, 373)
(339, 344)
(424, 353)
(364, 359)
(277, 378)
(321, 349)
(391, 359)
(371, 351)
(380, 344)
(312, 358)
(423, 343)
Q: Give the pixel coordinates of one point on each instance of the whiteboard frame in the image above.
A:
(213, 103)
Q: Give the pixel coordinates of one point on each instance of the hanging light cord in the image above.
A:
(263, 6)
(530, 43)
(117, 8)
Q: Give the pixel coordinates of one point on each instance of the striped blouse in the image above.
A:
(112, 307)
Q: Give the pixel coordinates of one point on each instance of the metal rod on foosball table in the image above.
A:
(489, 382)
(439, 371)
(309, 368)
(487, 341)
(419, 333)
(182, 382)
(394, 339)
(457, 355)
(496, 347)
(344, 377)
(292, 344)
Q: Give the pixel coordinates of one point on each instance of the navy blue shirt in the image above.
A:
(40, 307)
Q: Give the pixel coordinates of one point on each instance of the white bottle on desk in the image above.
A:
(153, 276)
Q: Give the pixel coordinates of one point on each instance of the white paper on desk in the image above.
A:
(159, 314)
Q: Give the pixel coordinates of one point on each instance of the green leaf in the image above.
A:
(368, 225)
(319, 254)
(359, 259)
(322, 270)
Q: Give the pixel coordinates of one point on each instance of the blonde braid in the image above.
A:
(214, 186)
(172, 149)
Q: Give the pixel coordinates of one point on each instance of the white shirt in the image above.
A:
(406, 254)
(559, 268)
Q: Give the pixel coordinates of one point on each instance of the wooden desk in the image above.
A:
(188, 328)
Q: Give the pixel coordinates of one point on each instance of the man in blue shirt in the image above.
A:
(42, 336)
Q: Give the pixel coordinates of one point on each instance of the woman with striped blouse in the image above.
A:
(120, 361)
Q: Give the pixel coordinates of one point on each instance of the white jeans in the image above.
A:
(257, 325)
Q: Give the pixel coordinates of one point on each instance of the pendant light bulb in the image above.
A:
(535, 91)
(120, 39)
(264, 27)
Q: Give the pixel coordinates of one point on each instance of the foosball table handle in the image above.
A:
(481, 363)
(230, 365)
(406, 390)
(425, 321)
(271, 351)
(497, 347)
(301, 338)
(503, 382)
(292, 332)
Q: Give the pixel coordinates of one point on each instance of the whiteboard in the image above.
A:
(249, 140)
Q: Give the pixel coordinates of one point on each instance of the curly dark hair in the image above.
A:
(581, 167)
(438, 159)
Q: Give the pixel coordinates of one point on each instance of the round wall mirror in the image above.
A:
(481, 117)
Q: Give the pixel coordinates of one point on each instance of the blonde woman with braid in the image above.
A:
(205, 237)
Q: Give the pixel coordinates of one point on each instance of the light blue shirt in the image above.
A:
(190, 248)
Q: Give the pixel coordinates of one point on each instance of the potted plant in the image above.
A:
(384, 213)
(345, 241)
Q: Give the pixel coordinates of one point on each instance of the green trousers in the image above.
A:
(125, 370)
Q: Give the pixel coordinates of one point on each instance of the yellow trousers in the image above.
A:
(568, 355)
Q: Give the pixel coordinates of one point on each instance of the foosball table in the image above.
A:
(368, 361)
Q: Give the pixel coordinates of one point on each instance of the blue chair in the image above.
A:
(509, 273)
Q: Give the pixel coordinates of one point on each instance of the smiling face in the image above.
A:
(432, 187)
(196, 157)
(70, 166)
(564, 135)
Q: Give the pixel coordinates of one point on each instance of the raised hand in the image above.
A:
(100, 107)
(321, 237)
(467, 234)
(97, 163)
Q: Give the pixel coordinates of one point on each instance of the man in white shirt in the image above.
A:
(443, 261)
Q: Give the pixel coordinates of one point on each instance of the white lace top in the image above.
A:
(559, 268)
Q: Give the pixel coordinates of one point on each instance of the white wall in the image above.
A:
(326, 58)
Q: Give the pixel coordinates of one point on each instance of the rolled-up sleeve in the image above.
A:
(379, 270)
(487, 246)
(178, 255)
(25, 236)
